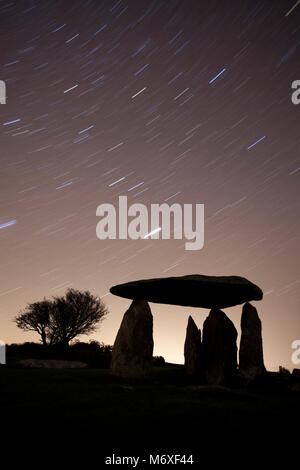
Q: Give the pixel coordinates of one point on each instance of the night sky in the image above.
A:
(176, 101)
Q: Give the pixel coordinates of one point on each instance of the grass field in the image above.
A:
(161, 414)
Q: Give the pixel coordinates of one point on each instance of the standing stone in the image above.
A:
(133, 348)
(192, 349)
(251, 361)
(219, 348)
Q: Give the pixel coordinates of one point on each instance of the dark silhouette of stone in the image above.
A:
(219, 348)
(52, 364)
(194, 290)
(192, 349)
(251, 361)
(133, 348)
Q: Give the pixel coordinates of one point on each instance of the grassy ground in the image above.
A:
(162, 414)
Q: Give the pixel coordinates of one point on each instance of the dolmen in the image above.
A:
(211, 358)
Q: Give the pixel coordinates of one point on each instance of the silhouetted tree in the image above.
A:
(62, 319)
(36, 317)
(76, 313)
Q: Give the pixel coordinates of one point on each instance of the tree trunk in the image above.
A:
(44, 338)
